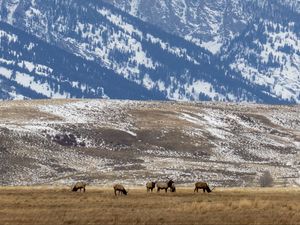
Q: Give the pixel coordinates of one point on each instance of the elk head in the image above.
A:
(210, 190)
(125, 192)
(170, 182)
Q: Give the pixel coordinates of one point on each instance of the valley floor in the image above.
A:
(58, 205)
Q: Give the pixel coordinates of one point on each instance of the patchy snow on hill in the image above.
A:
(102, 141)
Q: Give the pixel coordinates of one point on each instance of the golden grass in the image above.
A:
(57, 205)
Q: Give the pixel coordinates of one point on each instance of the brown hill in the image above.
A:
(105, 141)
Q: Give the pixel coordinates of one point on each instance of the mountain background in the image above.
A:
(229, 50)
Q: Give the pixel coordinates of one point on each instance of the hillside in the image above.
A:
(27, 72)
(105, 141)
(207, 23)
(267, 52)
(168, 66)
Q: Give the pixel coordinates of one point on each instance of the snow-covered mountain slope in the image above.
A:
(153, 59)
(104, 141)
(30, 68)
(292, 4)
(268, 53)
(207, 23)
(233, 19)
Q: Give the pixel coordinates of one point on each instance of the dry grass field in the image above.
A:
(55, 206)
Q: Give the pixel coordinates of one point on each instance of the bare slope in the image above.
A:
(102, 141)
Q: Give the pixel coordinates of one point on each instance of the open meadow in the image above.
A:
(58, 205)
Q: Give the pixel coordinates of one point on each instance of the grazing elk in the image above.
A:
(79, 185)
(120, 189)
(164, 185)
(202, 185)
(150, 186)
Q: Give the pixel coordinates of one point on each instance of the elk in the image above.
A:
(202, 185)
(150, 186)
(164, 185)
(79, 185)
(120, 188)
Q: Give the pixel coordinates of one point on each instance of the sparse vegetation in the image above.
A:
(103, 141)
(48, 206)
(266, 179)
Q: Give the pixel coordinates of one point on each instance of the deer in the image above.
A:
(120, 189)
(150, 186)
(79, 186)
(202, 185)
(164, 185)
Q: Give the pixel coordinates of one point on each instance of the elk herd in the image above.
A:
(170, 184)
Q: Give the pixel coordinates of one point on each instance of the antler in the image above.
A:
(169, 178)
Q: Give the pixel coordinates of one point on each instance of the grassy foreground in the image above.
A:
(49, 205)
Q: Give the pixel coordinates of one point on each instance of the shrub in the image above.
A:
(266, 179)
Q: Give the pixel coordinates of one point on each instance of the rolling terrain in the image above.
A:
(107, 141)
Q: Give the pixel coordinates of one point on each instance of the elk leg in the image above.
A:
(84, 189)
(203, 190)
(166, 190)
